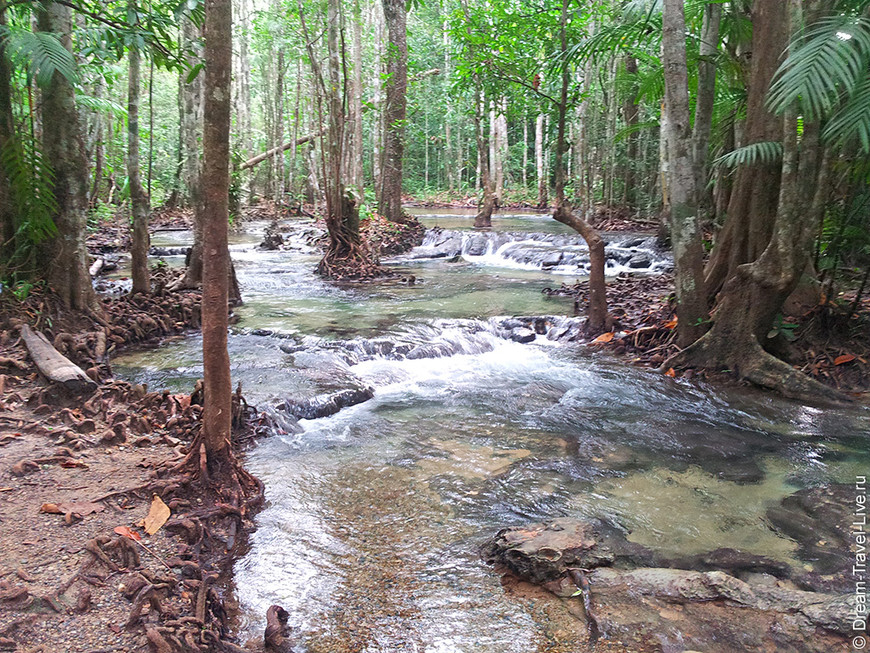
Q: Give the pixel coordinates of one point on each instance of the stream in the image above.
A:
(375, 513)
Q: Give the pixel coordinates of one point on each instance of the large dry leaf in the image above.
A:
(157, 515)
(845, 358)
(604, 337)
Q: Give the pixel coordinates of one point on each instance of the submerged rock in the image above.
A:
(631, 596)
(523, 334)
(325, 405)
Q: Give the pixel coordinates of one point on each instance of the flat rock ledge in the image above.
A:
(632, 600)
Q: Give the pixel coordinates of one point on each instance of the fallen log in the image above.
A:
(250, 163)
(54, 366)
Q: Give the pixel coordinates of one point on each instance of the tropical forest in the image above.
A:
(443, 326)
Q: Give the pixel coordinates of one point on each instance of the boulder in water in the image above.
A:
(523, 334)
(639, 261)
(551, 260)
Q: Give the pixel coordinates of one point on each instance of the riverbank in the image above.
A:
(105, 546)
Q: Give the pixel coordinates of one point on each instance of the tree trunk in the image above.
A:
(752, 206)
(192, 128)
(7, 134)
(279, 127)
(63, 144)
(390, 189)
(630, 111)
(139, 203)
(596, 317)
(483, 219)
(217, 408)
(357, 152)
(685, 232)
(543, 201)
(754, 295)
(705, 99)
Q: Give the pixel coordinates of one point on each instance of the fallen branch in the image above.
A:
(250, 163)
(54, 366)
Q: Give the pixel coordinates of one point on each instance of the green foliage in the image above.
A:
(31, 183)
(763, 153)
(832, 57)
(40, 54)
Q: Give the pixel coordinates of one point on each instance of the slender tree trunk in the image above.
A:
(358, 153)
(704, 102)
(543, 201)
(217, 408)
(279, 127)
(7, 133)
(483, 219)
(754, 197)
(390, 189)
(630, 111)
(685, 231)
(525, 152)
(139, 202)
(192, 129)
(596, 320)
(378, 98)
(63, 143)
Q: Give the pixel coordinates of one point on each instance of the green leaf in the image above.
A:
(763, 153)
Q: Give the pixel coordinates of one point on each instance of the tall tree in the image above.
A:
(685, 229)
(390, 187)
(217, 408)
(596, 316)
(63, 144)
(754, 197)
(139, 202)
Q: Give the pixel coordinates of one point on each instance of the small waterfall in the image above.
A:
(557, 253)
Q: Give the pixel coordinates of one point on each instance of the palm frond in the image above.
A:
(31, 182)
(827, 61)
(41, 54)
(762, 153)
(852, 120)
(101, 105)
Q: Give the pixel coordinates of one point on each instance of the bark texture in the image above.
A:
(685, 231)
(217, 408)
(754, 197)
(390, 188)
(139, 203)
(63, 144)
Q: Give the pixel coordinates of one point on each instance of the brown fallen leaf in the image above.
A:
(672, 324)
(126, 531)
(671, 373)
(845, 358)
(604, 337)
(158, 514)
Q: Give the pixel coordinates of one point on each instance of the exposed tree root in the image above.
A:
(351, 262)
(749, 362)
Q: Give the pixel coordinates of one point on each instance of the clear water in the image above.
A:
(375, 514)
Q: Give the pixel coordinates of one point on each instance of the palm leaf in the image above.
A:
(31, 182)
(828, 60)
(763, 153)
(852, 121)
(101, 105)
(41, 54)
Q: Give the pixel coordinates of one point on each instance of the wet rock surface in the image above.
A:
(631, 595)
(819, 520)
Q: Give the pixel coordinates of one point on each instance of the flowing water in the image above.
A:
(375, 513)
